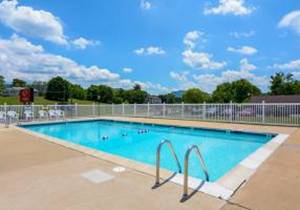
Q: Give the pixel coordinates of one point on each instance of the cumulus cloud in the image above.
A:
(82, 43)
(145, 5)
(35, 23)
(244, 50)
(152, 50)
(179, 76)
(198, 60)
(239, 35)
(22, 59)
(234, 7)
(201, 60)
(292, 65)
(291, 20)
(38, 23)
(127, 70)
(208, 82)
(191, 38)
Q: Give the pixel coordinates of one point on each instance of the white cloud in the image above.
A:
(235, 7)
(291, 20)
(239, 35)
(38, 23)
(292, 65)
(26, 61)
(208, 82)
(245, 50)
(191, 39)
(35, 23)
(127, 70)
(179, 76)
(21, 59)
(246, 66)
(152, 50)
(201, 60)
(145, 5)
(82, 43)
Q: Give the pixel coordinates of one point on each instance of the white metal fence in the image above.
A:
(263, 113)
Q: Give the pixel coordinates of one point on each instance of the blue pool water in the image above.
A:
(221, 150)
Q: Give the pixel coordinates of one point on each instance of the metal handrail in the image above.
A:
(158, 158)
(186, 167)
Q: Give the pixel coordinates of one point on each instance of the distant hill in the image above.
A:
(178, 93)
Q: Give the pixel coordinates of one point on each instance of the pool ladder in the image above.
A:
(186, 164)
(158, 151)
(186, 167)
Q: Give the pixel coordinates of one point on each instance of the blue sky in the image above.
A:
(164, 45)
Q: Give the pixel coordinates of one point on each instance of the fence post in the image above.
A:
(134, 109)
(32, 105)
(164, 110)
(123, 109)
(148, 110)
(182, 110)
(76, 110)
(263, 112)
(5, 111)
(94, 109)
(112, 110)
(231, 111)
(204, 110)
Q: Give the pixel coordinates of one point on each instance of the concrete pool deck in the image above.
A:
(37, 174)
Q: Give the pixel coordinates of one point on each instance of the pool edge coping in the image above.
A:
(222, 188)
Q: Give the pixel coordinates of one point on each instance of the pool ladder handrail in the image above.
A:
(186, 167)
(158, 151)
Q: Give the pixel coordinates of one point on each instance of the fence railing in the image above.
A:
(262, 113)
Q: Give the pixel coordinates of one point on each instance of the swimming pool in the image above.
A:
(222, 150)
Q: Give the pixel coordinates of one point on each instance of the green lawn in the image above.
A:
(13, 100)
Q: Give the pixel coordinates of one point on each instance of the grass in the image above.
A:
(14, 100)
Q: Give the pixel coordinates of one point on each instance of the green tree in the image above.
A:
(118, 96)
(100, 93)
(137, 87)
(77, 92)
(282, 84)
(2, 85)
(169, 98)
(135, 95)
(58, 89)
(223, 93)
(194, 96)
(238, 91)
(18, 83)
(243, 90)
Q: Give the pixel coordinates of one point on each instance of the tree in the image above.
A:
(243, 90)
(18, 83)
(194, 95)
(169, 98)
(282, 84)
(238, 91)
(77, 92)
(118, 96)
(58, 89)
(135, 95)
(137, 87)
(100, 93)
(223, 93)
(2, 85)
